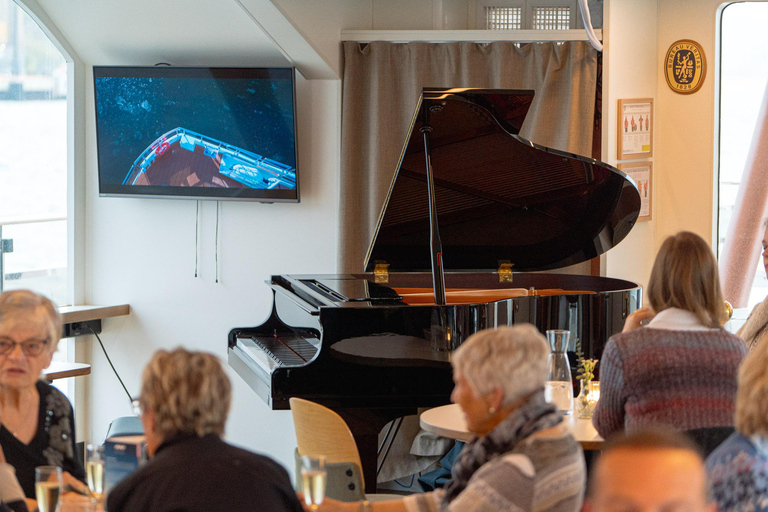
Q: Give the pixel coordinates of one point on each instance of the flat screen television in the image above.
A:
(197, 133)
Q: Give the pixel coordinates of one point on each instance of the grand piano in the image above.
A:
(472, 211)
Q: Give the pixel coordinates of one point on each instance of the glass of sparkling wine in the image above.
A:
(313, 477)
(48, 485)
(94, 469)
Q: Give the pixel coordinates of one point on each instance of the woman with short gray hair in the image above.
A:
(185, 398)
(522, 456)
(38, 426)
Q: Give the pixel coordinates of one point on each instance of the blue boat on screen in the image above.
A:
(184, 158)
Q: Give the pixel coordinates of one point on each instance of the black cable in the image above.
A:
(130, 398)
(197, 233)
(217, 241)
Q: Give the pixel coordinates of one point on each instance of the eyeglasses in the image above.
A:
(31, 348)
(137, 407)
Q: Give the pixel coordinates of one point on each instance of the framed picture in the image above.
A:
(635, 129)
(642, 174)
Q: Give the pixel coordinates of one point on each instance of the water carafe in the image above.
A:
(559, 387)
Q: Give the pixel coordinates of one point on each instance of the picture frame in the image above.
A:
(642, 174)
(635, 124)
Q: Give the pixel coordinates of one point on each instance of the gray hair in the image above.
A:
(16, 303)
(513, 359)
(187, 391)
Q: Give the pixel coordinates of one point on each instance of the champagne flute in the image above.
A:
(48, 484)
(94, 468)
(313, 477)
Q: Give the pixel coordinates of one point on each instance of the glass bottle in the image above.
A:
(559, 386)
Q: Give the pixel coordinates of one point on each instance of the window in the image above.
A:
(503, 18)
(551, 18)
(33, 158)
(529, 14)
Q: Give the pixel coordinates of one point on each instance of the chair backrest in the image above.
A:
(125, 426)
(709, 438)
(320, 431)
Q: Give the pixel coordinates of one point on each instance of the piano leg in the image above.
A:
(365, 425)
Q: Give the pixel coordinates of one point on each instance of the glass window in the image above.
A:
(33, 157)
(743, 76)
(503, 18)
(551, 18)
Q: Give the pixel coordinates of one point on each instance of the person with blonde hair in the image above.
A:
(38, 426)
(755, 329)
(184, 402)
(522, 456)
(680, 369)
(738, 469)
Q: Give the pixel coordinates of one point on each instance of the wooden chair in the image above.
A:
(320, 431)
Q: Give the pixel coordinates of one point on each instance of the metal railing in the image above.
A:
(6, 245)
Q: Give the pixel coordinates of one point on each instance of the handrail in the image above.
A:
(31, 220)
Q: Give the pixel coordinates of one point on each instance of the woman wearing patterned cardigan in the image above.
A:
(522, 456)
(737, 471)
(680, 369)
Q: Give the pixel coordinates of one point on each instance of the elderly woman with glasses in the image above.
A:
(38, 426)
(184, 403)
(522, 456)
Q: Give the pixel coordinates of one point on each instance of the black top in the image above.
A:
(499, 198)
(53, 444)
(204, 474)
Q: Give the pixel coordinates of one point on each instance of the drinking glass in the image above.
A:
(313, 478)
(48, 485)
(94, 470)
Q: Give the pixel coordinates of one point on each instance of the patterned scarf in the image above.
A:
(754, 328)
(533, 416)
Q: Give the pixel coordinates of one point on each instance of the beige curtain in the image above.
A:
(381, 85)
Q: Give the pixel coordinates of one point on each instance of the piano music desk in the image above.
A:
(448, 421)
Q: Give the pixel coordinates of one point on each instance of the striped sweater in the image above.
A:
(680, 378)
(543, 473)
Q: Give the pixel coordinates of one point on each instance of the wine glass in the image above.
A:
(48, 483)
(94, 469)
(313, 477)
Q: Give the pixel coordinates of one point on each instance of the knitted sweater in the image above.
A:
(544, 473)
(737, 474)
(683, 379)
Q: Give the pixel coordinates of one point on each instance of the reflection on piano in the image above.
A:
(375, 346)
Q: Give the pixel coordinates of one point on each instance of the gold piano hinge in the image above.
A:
(381, 273)
(505, 272)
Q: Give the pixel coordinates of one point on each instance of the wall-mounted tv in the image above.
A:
(197, 133)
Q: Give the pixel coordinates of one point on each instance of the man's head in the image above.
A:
(649, 471)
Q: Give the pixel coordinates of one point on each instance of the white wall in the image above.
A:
(630, 71)
(142, 252)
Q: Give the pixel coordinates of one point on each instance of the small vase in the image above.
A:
(586, 401)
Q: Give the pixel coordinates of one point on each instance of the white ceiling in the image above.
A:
(179, 32)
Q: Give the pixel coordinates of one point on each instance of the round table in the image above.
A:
(448, 421)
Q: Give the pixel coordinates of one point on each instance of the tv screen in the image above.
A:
(199, 133)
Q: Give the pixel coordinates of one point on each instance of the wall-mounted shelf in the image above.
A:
(478, 36)
(63, 370)
(82, 320)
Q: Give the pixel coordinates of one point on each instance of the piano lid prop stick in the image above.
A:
(438, 274)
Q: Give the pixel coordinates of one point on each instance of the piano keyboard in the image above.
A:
(270, 352)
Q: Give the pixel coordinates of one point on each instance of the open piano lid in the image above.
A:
(500, 198)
